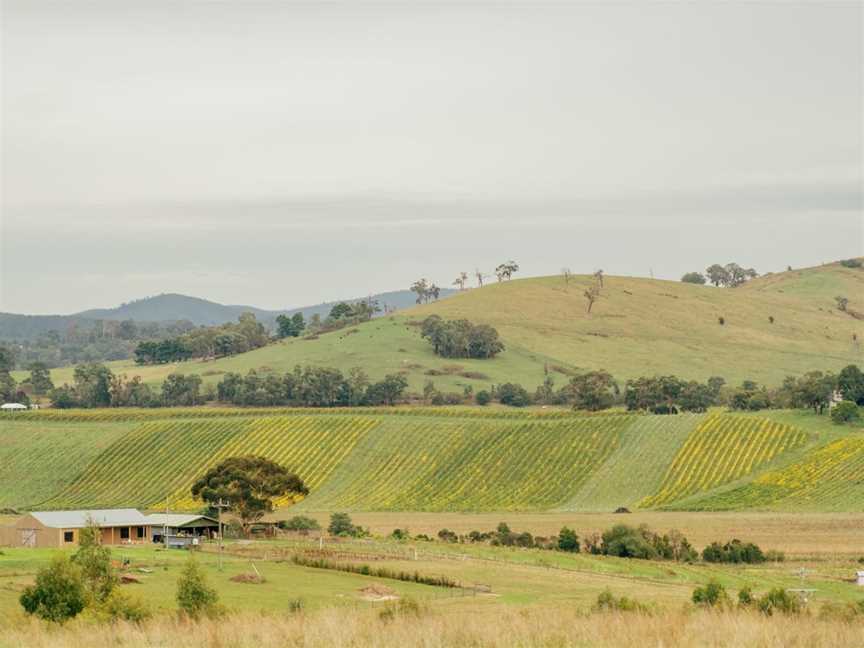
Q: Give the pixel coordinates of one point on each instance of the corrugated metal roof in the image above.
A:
(102, 517)
(175, 519)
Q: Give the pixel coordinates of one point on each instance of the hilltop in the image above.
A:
(637, 327)
(173, 307)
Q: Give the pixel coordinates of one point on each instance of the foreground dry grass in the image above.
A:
(525, 628)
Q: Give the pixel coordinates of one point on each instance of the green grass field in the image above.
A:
(444, 459)
(638, 327)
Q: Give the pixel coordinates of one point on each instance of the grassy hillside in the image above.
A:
(638, 327)
(439, 459)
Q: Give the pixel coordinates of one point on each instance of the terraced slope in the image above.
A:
(444, 459)
(721, 449)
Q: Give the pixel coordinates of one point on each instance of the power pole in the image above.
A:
(219, 506)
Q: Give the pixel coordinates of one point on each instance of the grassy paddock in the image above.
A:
(525, 627)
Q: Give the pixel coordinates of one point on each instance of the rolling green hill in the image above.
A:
(638, 327)
(445, 459)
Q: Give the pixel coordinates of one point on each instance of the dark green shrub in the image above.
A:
(448, 536)
(568, 540)
(711, 595)
(58, 594)
(734, 551)
(626, 542)
(745, 597)
(845, 412)
(513, 395)
(483, 397)
(400, 534)
(341, 525)
(851, 263)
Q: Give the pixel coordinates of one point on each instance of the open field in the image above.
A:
(440, 459)
(542, 598)
(638, 327)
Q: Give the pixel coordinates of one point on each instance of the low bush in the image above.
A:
(568, 540)
(377, 572)
(780, 601)
(58, 594)
(483, 397)
(120, 606)
(845, 412)
(341, 525)
(195, 598)
(608, 602)
(852, 263)
(300, 523)
(513, 395)
(446, 535)
(711, 595)
(404, 607)
(400, 534)
(734, 551)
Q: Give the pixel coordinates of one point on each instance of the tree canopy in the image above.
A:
(248, 485)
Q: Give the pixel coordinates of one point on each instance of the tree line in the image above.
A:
(311, 387)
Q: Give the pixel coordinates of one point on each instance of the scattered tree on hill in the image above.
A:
(852, 263)
(694, 278)
(461, 280)
(248, 485)
(300, 523)
(598, 277)
(731, 275)
(506, 270)
(40, 378)
(460, 338)
(592, 294)
(734, 551)
(340, 310)
(711, 595)
(195, 597)
(567, 274)
(425, 291)
(290, 326)
(842, 303)
(58, 594)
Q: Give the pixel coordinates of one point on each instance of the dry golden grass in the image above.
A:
(797, 534)
(523, 627)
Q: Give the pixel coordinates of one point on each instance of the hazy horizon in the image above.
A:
(281, 155)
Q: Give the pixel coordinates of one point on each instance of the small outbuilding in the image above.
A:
(178, 529)
(12, 407)
(62, 528)
(861, 579)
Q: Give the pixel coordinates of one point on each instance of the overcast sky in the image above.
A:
(279, 154)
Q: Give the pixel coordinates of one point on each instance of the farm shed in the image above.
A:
(62, 528)
(179, 527)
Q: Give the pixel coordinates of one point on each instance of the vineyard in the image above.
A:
(427, 459)
(722, 449)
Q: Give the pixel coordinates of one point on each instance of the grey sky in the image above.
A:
(280, 154)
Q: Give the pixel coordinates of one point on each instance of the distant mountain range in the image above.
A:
(171, 307)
